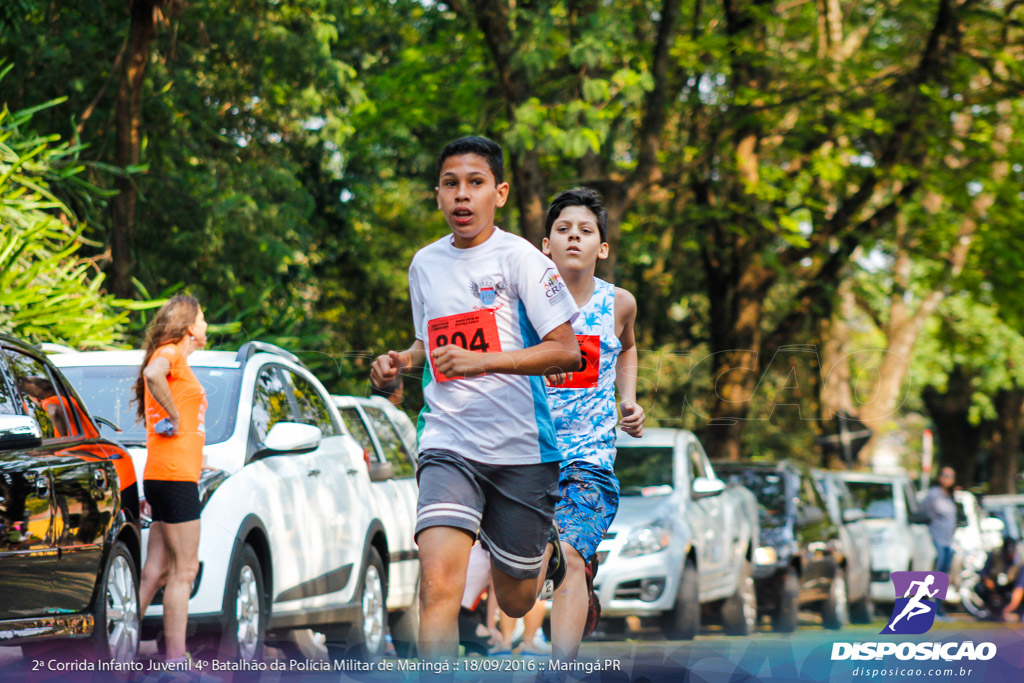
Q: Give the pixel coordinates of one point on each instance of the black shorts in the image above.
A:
(510, 506)
(172, 502)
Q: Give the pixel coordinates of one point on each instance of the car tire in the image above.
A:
(739, 611)
(367, 638)
(862, 611)
(683, 622)
(784, 620)
(835, 612)
(246, 607)
(406, 626)
(118, 624)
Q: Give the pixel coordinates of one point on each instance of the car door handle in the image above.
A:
(352, 471)
(313, 473)
(99, 478)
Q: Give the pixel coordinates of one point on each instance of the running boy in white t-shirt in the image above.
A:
(583, 407)
(492, 316)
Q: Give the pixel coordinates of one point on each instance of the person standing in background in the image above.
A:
(173, 404)
(941, 509)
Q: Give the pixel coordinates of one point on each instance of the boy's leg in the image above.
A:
(517, 530)
(444, 557)
(448, 515)
(586, 508)
(569, 608)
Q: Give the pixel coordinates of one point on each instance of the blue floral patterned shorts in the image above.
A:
(588, 503)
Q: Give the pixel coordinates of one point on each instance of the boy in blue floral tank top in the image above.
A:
(583, 406)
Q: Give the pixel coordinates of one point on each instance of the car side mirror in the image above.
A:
(852, 515)
(920, 517)
(808, 515)
(20, 431)
(705, 488)
(381, 471)
(290, 437)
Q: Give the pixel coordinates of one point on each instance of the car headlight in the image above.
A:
(647, 539)
(766, 555)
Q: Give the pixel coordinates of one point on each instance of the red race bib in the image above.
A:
(476, 331)
(590, 364)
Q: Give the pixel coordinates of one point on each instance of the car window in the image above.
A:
(908, 492)
(391, 443)
(809, 494)
(644, 470)
(696, 457)
(41, 396)
(875, 498)
(270, 403)
(355, 424)
(108, 391)
(8, 393)
(312, 409)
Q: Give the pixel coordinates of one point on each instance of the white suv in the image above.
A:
(291, 537)
(388, 438)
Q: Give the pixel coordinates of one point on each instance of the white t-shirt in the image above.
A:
(503, 293)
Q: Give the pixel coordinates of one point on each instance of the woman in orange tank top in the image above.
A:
(173, 404)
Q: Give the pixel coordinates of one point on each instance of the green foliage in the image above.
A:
(48, 292)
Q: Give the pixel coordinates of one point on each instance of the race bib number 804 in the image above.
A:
(475, 331)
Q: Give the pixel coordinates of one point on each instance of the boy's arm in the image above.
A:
(633, 415)
(385, 373)
(559, 350)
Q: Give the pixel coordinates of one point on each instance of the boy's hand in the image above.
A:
(632, 421)
(454, 361)
(555, 379)
(385, 369)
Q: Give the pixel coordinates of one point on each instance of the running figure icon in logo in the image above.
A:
(917, 594)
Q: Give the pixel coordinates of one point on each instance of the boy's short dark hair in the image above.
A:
(578, 196)
(482, 147)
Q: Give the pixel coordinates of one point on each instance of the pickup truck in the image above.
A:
(682, 543)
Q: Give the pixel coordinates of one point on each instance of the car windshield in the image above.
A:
(108, 393)
(644, 470)
(768, 487)
(874, 498)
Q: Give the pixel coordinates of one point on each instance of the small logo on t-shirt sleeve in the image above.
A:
(554, 288)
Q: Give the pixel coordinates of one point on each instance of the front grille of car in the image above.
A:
(630, 590)
(879, 575)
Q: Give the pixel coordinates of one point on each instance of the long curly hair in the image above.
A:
(168, 327)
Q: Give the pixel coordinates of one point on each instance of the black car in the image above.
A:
(69, 536)
(800, 563)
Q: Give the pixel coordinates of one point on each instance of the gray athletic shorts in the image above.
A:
(510, 506)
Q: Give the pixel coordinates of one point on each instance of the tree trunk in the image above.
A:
(128, 118)
(1004, 464)
(736, 342)
(529, 190)
(956, 438)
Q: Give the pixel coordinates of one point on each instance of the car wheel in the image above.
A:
(835, 612)
(367, 638)
(785, 618)
(862, 611)
(115, 635)
(739, 612)
(683, 622)
(406, 627)
(246, 625)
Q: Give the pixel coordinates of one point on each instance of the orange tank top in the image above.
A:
(178, 457)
